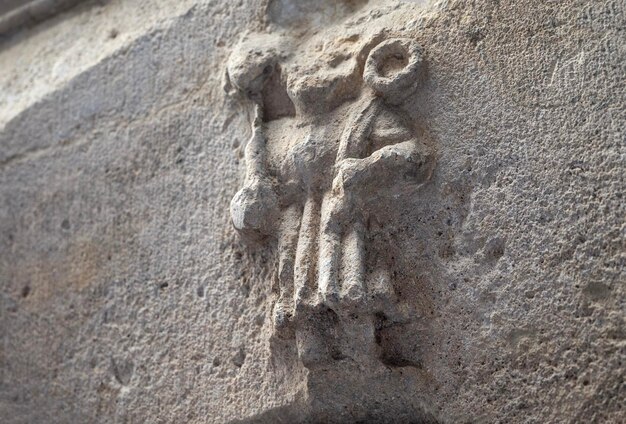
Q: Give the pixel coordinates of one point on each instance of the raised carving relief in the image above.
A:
(332, 150)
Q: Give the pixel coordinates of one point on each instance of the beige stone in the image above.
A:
(314, 211)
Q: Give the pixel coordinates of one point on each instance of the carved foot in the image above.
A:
(317, 338)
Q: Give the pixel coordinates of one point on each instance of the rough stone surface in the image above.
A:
(127, 295)
(16, 15)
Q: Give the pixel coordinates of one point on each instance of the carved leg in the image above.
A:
(254, 208)
(287, 245)
(357, 325)
(329, 253)
(305, 263)
(314, 323)
(379, 283)
(380, 289)
(353, 266)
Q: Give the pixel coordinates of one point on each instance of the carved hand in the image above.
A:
(254, 209)
(401, 162)
(349, 174)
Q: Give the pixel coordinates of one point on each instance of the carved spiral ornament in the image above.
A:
(393, 67)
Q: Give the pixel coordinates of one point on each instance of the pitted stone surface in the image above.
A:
(126, 294)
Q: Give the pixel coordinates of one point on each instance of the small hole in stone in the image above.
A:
(239, 358)
(393, 64)
(25, 291)
(337, 355)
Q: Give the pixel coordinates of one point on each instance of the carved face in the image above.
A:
(253, 62)
(321, 82)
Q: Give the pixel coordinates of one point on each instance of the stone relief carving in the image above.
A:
(332, 149)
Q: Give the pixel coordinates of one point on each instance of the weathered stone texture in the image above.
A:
(126, 294)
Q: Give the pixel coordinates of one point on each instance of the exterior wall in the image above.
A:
(126, 294)
(18, 14)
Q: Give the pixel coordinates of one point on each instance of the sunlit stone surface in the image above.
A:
(313, 211)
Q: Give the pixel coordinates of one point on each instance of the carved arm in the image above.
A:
(254, 208)
(404, 162)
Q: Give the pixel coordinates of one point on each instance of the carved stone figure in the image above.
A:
(349, 155)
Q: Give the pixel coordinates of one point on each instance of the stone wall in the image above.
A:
(128, 295)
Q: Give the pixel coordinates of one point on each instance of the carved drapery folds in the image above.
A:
(332, 149)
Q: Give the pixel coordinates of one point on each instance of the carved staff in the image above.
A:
(254, 209)
(342, 230)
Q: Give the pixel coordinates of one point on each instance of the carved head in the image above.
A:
(253, 63)
(314, 77)
(330, 76)
(254, 69)
(392, 68)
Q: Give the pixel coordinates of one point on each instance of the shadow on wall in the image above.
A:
(16, 15)
(303, 13)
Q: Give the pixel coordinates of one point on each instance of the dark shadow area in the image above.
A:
(22, 19)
